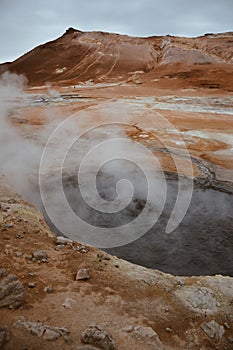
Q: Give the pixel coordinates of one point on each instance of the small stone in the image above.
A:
(48, 289)
(31, 274)
(68, 339)
(128, 329)
(51, 334)
(4, 336)
(10, 225)
(226, 325)
(29, 257)
(68, 302)
(18, 254)
(3, 272)
(213, 329)
(144, 333)
(103, 256)
(60, 246)
(76, 247)
(83, 249)
(11, 201)
(8, 249)
(169, 330)
(40, 255)
(31, 284)
(63, 240)
(230, 339)
(19, 235)
(109, 290)
(96, 336)
(82, 274)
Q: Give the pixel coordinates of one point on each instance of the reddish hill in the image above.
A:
(80, 56)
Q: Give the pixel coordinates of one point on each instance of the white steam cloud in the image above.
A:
(19, 157)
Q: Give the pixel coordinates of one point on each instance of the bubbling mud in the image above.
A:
(201, 245)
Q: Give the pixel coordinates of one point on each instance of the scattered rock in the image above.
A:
(3, 272)
(4, 336)
(82, 274)
(10, 225)
(51, 334)
(34, 328)
(40, 255)
(137, 81)
(18, 254)
(31, 274)
(11, 291)
(68, 339)
(226, 325)
(8, 249)
(81, 248)
(87, 347)
(11, 201)
(31, 284)
(230, 339)
(68, 302)
(48, 289)
(40, 329)
(168, 329)
(128, 329)
(103, 256)
(213, 329)
(60, 246)
(147, 333)
(19, 235)
(63, 240)
(95, 335)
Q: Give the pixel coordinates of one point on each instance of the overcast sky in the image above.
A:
(25, 24)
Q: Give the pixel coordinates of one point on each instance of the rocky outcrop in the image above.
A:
(12, 292)
(40, 329)
(4, 336)
(95, 335)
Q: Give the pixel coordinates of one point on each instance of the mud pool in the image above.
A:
(201, 245)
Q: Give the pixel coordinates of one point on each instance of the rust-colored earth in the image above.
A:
(177, 94)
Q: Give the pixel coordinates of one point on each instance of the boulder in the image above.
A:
(96, 336)
(12, 292)
(4, 336)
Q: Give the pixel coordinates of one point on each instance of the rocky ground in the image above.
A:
(55, 293)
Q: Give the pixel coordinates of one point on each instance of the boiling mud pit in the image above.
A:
(202, 244)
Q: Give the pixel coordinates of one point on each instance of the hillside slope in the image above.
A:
(81, 56)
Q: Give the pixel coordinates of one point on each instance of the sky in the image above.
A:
(25, 24)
